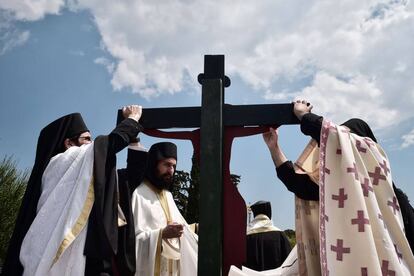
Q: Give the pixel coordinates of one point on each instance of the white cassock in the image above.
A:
(152, 210)
(55, 241)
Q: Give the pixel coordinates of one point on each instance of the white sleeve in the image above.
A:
(146, 239)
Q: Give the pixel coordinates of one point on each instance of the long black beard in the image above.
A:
(158, 182)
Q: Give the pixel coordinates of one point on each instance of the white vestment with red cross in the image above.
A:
(356, 228)
(361, 229)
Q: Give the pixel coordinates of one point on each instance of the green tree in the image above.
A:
(192, 214)
(291, 236)
(12, 186)
(179, 190)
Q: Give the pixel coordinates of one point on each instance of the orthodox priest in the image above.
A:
(164, 243)
(267, 245)
(346, 203)
(69, 218)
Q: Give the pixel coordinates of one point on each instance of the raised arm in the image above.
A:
(300, 184)
(126, 131)
(271, 139)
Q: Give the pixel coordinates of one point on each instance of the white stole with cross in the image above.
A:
(361, 228)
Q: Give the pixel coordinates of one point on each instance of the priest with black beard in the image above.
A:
(267, 245)
(69, 218)
(164, 243)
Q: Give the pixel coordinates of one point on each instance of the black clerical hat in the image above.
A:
(163, 150)
(360, 128)
(262, 207)
(52, 137)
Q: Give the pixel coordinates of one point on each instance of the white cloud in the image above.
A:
(408, 139)
(105, 62)
(340, 100)
(351, 58)
(11, 39)
(31, 10)
(22, 10)
(10, 36)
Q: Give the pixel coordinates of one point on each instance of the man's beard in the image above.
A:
(163, 181)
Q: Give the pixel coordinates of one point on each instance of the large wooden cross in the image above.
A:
(222, 225)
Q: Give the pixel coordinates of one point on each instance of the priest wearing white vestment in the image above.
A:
(69, 218)
(164, 244)
(350, 219)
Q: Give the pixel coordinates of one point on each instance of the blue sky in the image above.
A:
(58, 57)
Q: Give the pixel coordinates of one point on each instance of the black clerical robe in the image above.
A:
(128, 179)
(103, 237)
(266, 250)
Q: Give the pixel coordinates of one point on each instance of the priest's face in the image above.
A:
(83, 139)
(166, 169)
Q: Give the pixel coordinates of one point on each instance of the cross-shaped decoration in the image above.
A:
(369, 142)
(394, 204)
(340, 249)
(360, 220)
(353, 170)
(359, 147)
(384, 269)
(341, 198)
(307, 206)
(376, 176)
(364, 271)
(384, 167)
(313, 247)
(366, 187)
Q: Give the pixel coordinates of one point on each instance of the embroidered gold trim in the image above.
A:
(157, 263)
(79, 224)
(163, 200)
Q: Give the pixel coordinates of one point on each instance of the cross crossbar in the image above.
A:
(233, 115)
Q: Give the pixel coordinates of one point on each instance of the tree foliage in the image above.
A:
(186, 191)
(291, 236)
(12, 186)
